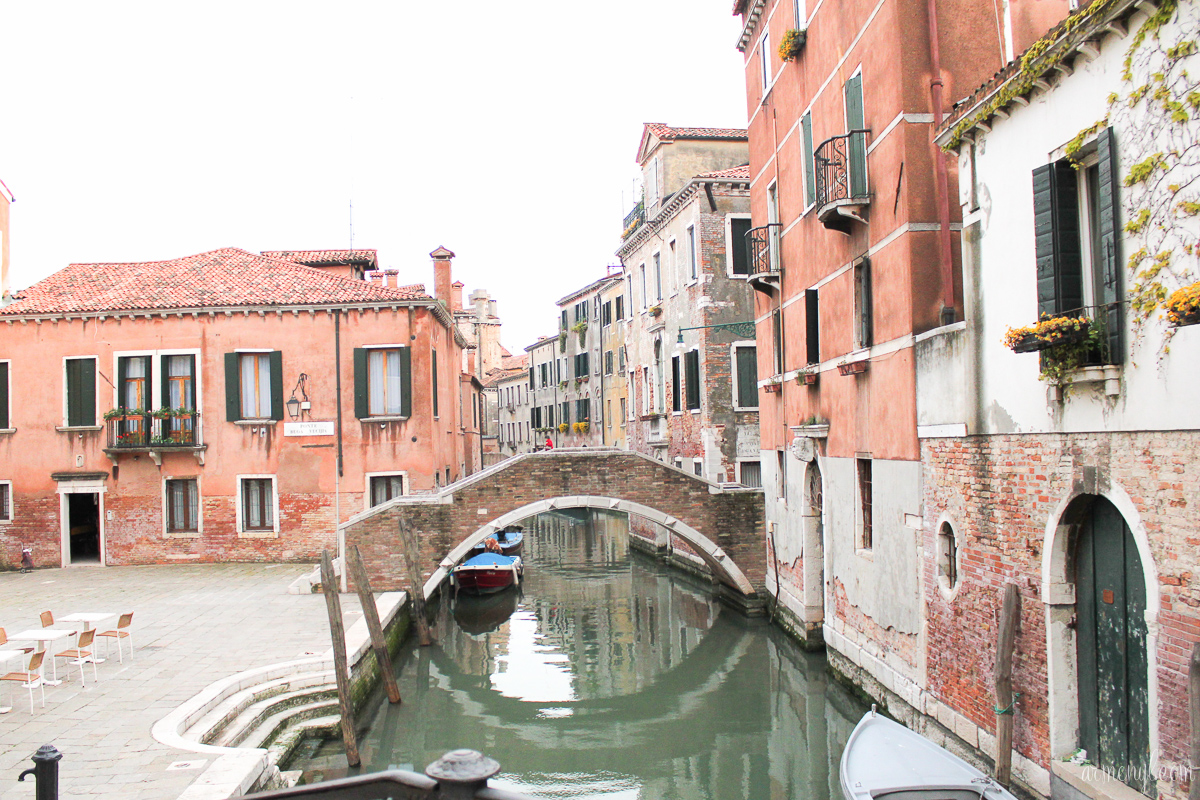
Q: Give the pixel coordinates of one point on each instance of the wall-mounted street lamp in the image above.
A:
(294, 404)
(743, 329)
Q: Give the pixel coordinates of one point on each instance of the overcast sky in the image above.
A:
(507, 133)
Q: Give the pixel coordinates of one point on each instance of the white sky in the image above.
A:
(144, 131)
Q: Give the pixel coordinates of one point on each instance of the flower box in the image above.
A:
(1183, 306)
(853, 367)
(771, 388)
(1046, 334)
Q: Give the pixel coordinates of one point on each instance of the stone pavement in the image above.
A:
(192, 625)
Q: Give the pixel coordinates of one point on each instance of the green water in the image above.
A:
(612, 677)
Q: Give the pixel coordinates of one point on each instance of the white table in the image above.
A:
(89, 618)
(44, 637)
(5, 657)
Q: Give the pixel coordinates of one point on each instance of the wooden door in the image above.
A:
(1113, 688)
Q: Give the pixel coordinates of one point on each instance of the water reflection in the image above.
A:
(613, 678)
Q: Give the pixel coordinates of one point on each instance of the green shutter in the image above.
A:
(233, 394)
(87, 391)
(361, 406)
(692, 368)
(747, 377)
(191, 397)
(858, 141)
(122, 376)
(164, 384)
(810, 185)
(276, 360)
(406, 382)
(434, 382)
(675, 401)
(4, 423)
(1056, 239)
(1109, 289)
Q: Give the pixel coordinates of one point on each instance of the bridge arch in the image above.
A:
(723, 524)
(709, 551)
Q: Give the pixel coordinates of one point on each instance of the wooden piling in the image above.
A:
(1194, 709)
(362, 583)
(1005, 642)
(337, 629)
(410, 541)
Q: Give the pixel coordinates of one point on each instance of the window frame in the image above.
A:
(764, 62)
(6, 396)
(732, 246)
(8, 503)
(740, 464)
(864, 517)
(257, 533)
(693, 379)
(736, 389)
(808, 154)
(166, 506)
(398, 350)
(405, 485)
(95, 424)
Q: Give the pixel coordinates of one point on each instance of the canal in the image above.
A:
(609, 676)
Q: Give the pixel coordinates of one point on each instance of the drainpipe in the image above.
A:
(337, 473)
(941, 181)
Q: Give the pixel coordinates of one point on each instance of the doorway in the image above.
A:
(1110, 587)
(83, 527)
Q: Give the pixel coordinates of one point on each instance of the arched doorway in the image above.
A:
(1112, 663)
(814, 544)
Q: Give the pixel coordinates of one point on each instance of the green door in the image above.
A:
(1111, 607)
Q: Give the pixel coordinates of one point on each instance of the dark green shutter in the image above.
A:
(190, 400)
(164, 384)
(276, 360)
(81, 392)
(747, 377)
(858, 141)
(812, 326)
(122, 376)
(4, 423)
(1109, 289)
(406, 382)
(740, 256)
(1056, 239)
(810, 185)
(436, 388)
(233, 393)
(361, 407)
(531, 386)
(692, 368)
(675, 405)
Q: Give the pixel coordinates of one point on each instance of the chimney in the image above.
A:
(442, 259)
(5, 200)
(456, 296)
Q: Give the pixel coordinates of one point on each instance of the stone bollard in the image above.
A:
(460, 773)
(45, 772)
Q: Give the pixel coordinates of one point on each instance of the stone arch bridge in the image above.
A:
(723, 525)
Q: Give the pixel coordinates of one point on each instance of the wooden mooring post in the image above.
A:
(337, 629)
(362, 583)
(410, 541)
(1194, 710)
(1005, 641)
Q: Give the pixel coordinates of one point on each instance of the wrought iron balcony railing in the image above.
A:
(147, 431)
(762, 250)
(633, 219)
(841, 172)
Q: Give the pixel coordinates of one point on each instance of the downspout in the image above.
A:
(941, 181)
(337, 477)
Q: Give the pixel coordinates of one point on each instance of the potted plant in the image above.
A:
(563, 427)
(655, 310)
(792, 43)
(581, 329)
(1047, 332)
(163, 413)
(1183, 306)
(809, 374)
(580, 381)
(116, 413)
(580, 427)
(562, 341)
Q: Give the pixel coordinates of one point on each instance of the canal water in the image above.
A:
(609, 676)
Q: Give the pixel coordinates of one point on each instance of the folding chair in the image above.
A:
(31, 679)
(120, 633)
(81, 654)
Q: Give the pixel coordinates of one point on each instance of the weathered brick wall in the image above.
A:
(1016, 483)
(734, 520)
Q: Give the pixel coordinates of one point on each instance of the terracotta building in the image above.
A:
(223, 406)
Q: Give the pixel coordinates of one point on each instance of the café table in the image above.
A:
(44, 638)
(89, 618)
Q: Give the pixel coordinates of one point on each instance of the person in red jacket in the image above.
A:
(549, 444)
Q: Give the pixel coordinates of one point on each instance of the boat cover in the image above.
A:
(489, 560)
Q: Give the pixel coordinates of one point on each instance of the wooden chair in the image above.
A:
(22, 647)
(81, 654)
(31, 679)
(120, 633)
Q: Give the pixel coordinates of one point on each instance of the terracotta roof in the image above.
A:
(666, 132)
(221, 278)
(315, 257)
(495, 376)
(741, 173)
(514, 362)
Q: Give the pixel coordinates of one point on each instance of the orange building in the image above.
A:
(225, 406)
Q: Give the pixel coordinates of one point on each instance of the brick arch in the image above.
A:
(723, 524)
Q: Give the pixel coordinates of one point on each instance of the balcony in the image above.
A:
(633, 220)
(146, 433)
(762, 250)
(841, 180)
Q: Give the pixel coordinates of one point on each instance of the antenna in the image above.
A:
(351, 171)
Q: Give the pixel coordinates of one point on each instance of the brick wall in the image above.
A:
(1017, 484)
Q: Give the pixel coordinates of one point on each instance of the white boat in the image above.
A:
(884, 760)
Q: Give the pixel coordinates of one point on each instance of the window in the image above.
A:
(863, 317)
(133, 383)
(608, 414)
(549, 416)
(179, 381)
(660, 376)
(583, 410)
(385, 487)
(855, 121)
(257, 507)
(810, 178)
(947, 563)
(581, 365)
(531, 377)
(80, 392)
(581, 311)
(738, 250)
(658, 284)
(1076, 242)
(253, 385)
(5, 421)
(608, 362)
(691, 364)
(673, 265)
(545, 370)
(182, 505)
(676, 405)
(764, 61)
(750, 474)
(623, 411)
(564, 411)
(777, 339)
(620, 307)
(693, 261)
(606, 314)
(535, 417)
(812, 326)
(621, 358)
(645, 293)
(6, 501)
(382, 382)
(866, 538)
(746, 363)
(781, 476)
(773, 229)
(799, 14)
(698, 467)
(565, 323)
(433, 379)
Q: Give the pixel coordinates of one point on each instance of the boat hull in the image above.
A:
(487, 573)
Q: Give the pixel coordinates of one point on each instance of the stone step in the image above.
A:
(207, 729)
(243, 730)
(286, 742)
